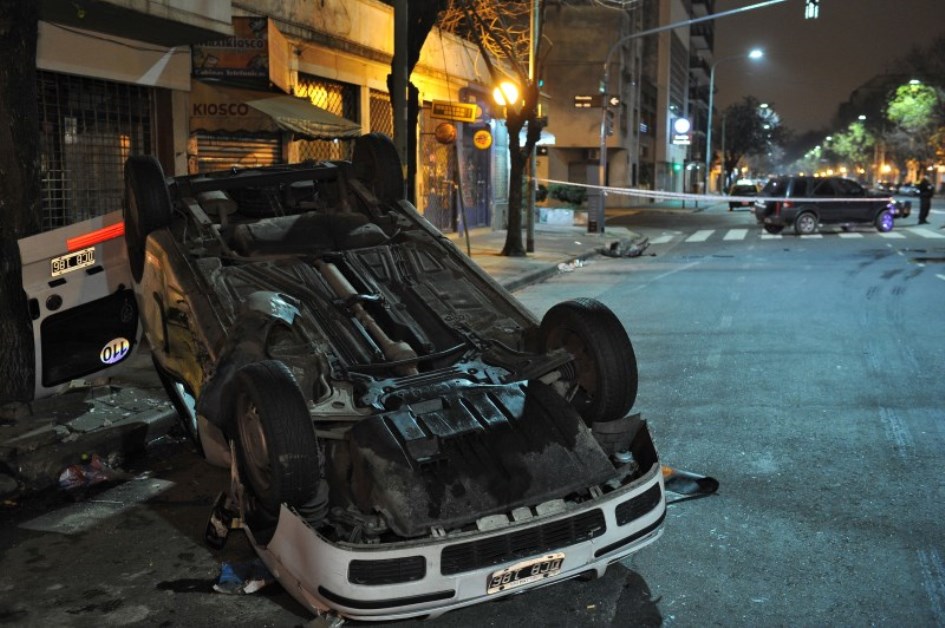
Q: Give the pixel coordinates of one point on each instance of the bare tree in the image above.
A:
(501, 29)
(19, 190)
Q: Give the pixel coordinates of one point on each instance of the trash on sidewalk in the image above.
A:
(567, 267)
(93, 471)
(243, 578)
(223, 518)
(626, 248)
(690, 485)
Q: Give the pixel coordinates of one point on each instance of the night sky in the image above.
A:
(811, 66)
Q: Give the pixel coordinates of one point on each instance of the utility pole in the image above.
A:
(532, 166)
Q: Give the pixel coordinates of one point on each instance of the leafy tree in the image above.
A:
(854, 145)
(916, 112)
(19, 190)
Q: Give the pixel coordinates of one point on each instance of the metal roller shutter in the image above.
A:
(221, 152)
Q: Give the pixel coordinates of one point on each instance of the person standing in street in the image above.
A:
(925, 200)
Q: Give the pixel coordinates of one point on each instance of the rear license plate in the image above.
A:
(72, 261)
(525, 572)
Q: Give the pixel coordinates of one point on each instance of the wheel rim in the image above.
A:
(255, 451)
(806, 224)
(586, 379)
(886, 221)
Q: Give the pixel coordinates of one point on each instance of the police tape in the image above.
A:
(713, 198)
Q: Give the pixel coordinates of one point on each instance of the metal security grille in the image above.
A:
(437, 172)
(337, 98)
(89, 127)
(382, 113)
(222, 152)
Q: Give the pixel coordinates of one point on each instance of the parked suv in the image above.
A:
(807, 202)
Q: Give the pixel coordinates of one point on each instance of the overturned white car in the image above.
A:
(404, 437)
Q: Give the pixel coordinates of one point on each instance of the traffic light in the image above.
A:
(609, 121)
(811, 9)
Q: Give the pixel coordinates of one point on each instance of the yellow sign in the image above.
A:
(458, 111)
(482, 139)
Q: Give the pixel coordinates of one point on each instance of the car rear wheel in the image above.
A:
(277, 450)
(805, 223)
(774, 229)
(603, 386)
(147, 206)
(884, 221)
(377, 165)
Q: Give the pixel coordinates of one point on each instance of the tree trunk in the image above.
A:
(19, 191)
(514, 247)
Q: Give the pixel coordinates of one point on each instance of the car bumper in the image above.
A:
(434, 575)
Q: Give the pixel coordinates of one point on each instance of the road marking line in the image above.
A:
(771, 236)
(812, 236)
(925, 233)
(663, 239)
(850, 235)
(736, 234)
(701, 235)
(892, 234)
(942, 277)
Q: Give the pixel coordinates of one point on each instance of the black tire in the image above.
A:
(606, 375)
(377, 165)
(277, 450)
(147, 206)
(774, 229)
(884, 221)
(805, 223)
(184, 401)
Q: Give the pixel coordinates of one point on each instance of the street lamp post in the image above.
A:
(756, 53)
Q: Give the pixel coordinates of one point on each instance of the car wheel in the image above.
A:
(805, 224)
(184, 402)
(147, 206)
(277, 450)
(604, 383)
(377, 165)
(774, 229)
(884, 221)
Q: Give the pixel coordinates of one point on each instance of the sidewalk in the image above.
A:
(116, 418)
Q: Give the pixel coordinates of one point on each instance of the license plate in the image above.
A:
(72, 261)
(525, 572)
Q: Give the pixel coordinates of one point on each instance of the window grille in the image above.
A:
(337, 98)
(382, 113)
(88, 128)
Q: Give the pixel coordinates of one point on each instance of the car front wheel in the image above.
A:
(277, 449)
(884, 221)
(805, 224)
(603, 385)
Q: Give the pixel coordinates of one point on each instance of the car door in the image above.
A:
(825, 193)
(79, 293)
(860, 208)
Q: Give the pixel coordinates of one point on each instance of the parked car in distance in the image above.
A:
(743, 189)
(807, 202)
(404, 436)
(908, 189)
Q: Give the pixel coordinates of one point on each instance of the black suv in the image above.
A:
(807, 202)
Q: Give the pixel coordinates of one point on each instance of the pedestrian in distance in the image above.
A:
(926, 190)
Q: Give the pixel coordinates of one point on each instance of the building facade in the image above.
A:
(206, 86)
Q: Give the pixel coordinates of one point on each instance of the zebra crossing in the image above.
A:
(742, 234)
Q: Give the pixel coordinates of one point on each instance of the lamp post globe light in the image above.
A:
(755, 54)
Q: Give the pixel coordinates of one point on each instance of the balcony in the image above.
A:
(699, 70)
(701, 8)
(161, 22)
(702, 36)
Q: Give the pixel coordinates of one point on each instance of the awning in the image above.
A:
(216, 109)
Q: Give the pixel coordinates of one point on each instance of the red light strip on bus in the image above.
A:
(94, 237)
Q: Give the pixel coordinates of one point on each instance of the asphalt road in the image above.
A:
(803, 373)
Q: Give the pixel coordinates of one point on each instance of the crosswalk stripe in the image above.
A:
(701, 235)
(736, 234)
(850, 235)
(812, 236)
(925, 233)
(663, 239)
(771, 236)
(892, 234)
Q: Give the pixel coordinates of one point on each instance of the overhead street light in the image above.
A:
(755, 54)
